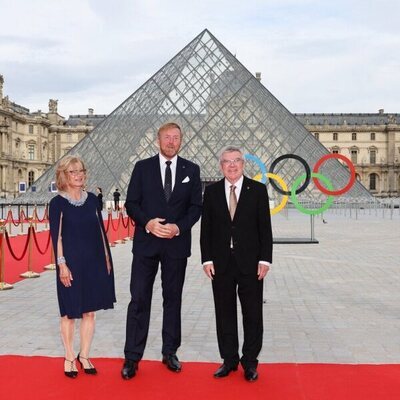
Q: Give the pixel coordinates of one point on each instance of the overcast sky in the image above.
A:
(314, 55)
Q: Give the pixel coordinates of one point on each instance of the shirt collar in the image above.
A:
(163, 159)
(238, 184)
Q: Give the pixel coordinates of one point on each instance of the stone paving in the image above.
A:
(333, 302)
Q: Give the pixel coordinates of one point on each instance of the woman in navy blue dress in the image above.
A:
(85, 279)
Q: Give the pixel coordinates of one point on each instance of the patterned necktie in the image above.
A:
(232, 201)
(168, 181)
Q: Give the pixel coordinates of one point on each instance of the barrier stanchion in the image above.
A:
(52, 265)
(3, 285)
(35, 216)
(108, 230)
(128, 223)
(119, 234)
(46, 216)
(21, 221)
(9, 218)
(30, 273)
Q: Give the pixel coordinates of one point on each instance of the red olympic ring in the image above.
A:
(345, 188)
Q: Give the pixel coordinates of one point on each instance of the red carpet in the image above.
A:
(42, 378)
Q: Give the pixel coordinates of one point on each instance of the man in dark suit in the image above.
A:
(236, 252)
(164, 200)
(116, 196)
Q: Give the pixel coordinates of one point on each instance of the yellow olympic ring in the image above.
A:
(283, 185)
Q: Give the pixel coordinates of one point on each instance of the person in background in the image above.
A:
(236, 252)
(100, 197)
(85, 279)
(116, 196)
(164, 200)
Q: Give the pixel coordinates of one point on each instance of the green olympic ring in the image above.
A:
(316, 211)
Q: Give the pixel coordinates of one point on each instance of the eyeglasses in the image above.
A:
(233, 161)
(76, 172)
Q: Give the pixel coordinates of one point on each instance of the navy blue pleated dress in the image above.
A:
(92, 288)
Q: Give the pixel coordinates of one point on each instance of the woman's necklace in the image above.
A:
(76, 203)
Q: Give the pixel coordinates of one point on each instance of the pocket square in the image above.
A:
(186, 180)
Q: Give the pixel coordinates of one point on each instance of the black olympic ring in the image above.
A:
(306, 167)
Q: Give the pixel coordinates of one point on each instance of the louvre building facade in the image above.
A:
(218, 102)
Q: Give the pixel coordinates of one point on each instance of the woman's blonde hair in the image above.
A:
(62, 167)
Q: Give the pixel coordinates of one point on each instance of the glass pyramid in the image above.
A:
(217, 102)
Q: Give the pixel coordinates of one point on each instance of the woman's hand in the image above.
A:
(65, 275)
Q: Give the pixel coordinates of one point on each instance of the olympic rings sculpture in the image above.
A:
(280, 186)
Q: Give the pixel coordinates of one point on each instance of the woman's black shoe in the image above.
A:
(71, 373)
(92, 370)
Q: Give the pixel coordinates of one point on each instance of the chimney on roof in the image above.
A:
(1, 87)
(381, 111)
(258, 76)
(90, 111)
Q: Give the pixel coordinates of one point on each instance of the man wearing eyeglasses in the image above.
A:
(236, 252)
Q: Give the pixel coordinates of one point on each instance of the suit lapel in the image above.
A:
(179, 176)
(243, 198)
(222, 198)
(156, 175)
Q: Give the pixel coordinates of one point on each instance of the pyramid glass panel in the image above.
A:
(217, 102)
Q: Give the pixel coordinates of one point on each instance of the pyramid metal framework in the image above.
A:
(217, 102)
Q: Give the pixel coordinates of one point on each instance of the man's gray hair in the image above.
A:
(229, 149)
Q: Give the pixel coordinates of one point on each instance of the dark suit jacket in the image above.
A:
(250, 228)
(145, 200)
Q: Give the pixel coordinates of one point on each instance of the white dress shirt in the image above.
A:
(238, 188)
(163, 167)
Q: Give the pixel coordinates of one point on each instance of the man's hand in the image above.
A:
(262, 271)
(209, 270)
(164, 231)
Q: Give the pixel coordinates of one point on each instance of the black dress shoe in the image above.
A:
(224, 370)
(129, 369)
(91, 370)
(172, 362)
(72, 373)
(250, 374)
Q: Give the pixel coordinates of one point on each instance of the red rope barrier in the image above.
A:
(25, 249)
(11, 218)
(36, 215)
(108, 223)
(112, 224)
(22, 215)
(127, 222)
(37, 244)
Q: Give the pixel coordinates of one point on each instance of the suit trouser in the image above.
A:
(226, 288)
(144, 270)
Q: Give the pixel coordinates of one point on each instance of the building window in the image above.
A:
(372, 156)
(372, 181)
(354, 136)
(30, 128)
(316, 134)
(335, 136)
(372, 135)
(31, 151)
(335, 150)
(31, 178)
(354, 156)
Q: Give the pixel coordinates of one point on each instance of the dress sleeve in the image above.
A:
(55, 213)
(103, 230)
